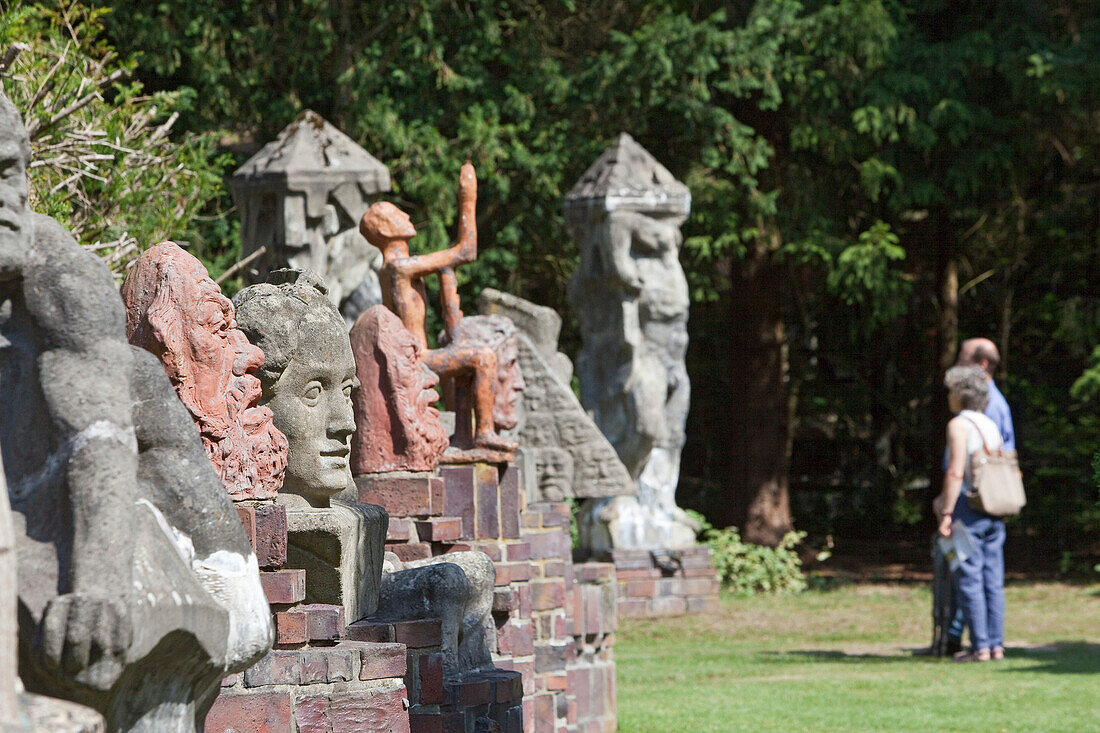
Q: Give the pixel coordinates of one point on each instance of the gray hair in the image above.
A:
(968, 383)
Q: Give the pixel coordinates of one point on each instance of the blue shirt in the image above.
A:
(997, 411)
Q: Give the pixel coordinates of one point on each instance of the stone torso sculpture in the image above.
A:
(631, 298)
(389, 229)
(176, 312)
(138, 590)
(397, 426)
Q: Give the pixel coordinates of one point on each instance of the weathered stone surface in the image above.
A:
(177, 313)
(572, 457)
(631, 297)
(541, 324)
(138, 589)
(307, 377)
(456, 589)
(301, 197)
(402, 276)
(397, 425)
(9, 626)
(341, 548)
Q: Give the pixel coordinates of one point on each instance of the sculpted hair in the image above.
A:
(273, 315)
(969, 385)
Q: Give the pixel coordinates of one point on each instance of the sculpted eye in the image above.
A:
(347, 389)
(312, 393)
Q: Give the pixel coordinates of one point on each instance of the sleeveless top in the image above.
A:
(978, 427)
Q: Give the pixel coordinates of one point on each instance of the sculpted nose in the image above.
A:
(341, 418)
(249, 358)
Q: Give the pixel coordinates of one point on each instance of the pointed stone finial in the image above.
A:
(627, 177)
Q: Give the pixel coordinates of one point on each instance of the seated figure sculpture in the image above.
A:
(308, 376)
(138, 591)
(390, 229)
(175, 311)
(498, 333)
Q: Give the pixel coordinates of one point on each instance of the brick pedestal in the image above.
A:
(317, 679)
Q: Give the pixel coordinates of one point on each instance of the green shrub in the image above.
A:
(747, 568)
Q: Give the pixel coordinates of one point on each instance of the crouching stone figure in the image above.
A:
(137, 588)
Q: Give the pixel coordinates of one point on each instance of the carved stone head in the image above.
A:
(307, 377)
(15, 215)
(175, 311)
(397, 426)
(498, 333)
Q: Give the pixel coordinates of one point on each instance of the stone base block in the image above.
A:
(340, 548)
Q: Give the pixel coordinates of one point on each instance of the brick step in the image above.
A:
(314, 623)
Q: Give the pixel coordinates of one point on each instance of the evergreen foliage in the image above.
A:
(872, 180)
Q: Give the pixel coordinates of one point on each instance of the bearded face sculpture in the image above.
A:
(397, 426)
(175, 311)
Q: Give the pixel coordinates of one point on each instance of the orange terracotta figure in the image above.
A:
(402, 278)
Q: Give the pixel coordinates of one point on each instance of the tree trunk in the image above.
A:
(759, 409)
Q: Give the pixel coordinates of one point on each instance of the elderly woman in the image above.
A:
(980, 577)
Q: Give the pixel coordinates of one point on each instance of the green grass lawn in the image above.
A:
(841, 660)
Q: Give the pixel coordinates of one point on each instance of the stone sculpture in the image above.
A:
(307, 379)
(301, 197)
(176, 312)
(390, 229)
(571, 456)
(456, 588)
(137, 588)
(397, 426)
(631, 298)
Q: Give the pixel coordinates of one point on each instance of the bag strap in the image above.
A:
(981, 435)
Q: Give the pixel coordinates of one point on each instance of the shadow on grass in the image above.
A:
(832, 655)
(1061, 657)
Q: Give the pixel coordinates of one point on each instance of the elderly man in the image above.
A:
(983, 352)
(980, 352)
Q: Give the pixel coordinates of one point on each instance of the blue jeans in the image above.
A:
(981, 584)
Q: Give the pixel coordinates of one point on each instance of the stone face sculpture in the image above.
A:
(307, 379)
(301, 197)
(631, 298)
(397, 426)
(390, 229)
(138, 590)
(572, 458)
(176, 312)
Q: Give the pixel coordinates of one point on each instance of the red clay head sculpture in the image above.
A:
(175, 311)
(397, 428)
